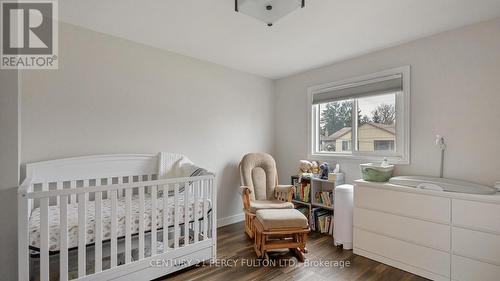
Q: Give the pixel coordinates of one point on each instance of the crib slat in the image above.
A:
(128, 242)
(63, 238)
(213, 216)
(153, 219)
(141, 222)
(113, 227)
(109, 181)
(82, 234)
(44, 235)
(165, 218)
(98, 231)
(196, 189)
(205, 209)
(186, 213)
(30, 201)
(72, 184)
(176, 216)
(59, 186)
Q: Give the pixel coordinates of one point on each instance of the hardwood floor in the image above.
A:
(236, 249)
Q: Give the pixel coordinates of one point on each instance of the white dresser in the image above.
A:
(434, 234)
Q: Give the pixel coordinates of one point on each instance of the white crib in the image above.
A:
(120, 217)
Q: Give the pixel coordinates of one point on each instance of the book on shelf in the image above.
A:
(321, 220)
(326, 224)
(302, 191)
(330, 230)
(324, 198)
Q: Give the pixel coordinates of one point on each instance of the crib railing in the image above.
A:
(94, 191)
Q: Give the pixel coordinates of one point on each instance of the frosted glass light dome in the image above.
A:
(268, 11)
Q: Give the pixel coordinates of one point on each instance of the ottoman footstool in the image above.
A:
(280, 229)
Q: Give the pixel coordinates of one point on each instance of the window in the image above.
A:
(335, 119)
(377, 122)
(387, 145)
(346, 145)
(371, 112)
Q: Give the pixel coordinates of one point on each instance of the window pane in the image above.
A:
(376, 123)
(383, 145)
(335, 126)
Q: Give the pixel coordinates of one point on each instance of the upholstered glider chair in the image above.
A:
(260, 189)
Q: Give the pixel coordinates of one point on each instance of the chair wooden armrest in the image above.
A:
(284, 192)
(245, 194)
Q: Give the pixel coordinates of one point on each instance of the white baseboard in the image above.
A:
(230, 220)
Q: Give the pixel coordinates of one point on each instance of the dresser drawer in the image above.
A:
(437, 262)
(420, 206)
(464, 269)
(477, 215)
(424, 233)
(477, 245)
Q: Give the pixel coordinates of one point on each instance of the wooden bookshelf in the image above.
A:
(300, 203)
(322, 206)
(317, 185)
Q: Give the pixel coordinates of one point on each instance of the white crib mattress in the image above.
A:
(34, 224)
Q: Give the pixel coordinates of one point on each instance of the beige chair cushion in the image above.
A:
(258, 173)
(269, 204)
(279, 219)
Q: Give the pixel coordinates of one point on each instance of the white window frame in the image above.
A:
(402, 153)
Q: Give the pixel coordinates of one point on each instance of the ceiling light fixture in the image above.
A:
(268, 11)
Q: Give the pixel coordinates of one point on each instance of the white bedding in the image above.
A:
(34, 223)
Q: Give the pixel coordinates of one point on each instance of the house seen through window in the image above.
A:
(376, 124)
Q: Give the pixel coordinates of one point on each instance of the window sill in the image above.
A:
(399, 160)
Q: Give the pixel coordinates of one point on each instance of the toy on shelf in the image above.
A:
(324, 170)
(312, 169)
(306, 169)
(315, 168)
(305, 166)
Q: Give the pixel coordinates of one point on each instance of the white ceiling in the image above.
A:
(324, 32)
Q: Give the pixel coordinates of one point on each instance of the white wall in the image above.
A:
(8, 128)
(9, 173)
(455, 92)
(115, 96)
